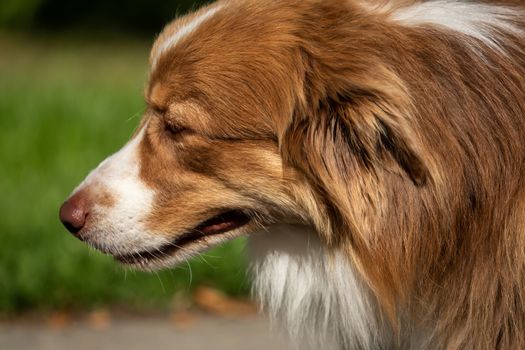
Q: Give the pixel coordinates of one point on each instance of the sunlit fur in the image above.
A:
(315, 293)
(378, 146)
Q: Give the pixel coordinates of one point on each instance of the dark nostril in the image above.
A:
(73, 215)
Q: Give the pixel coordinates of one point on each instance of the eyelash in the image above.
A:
(173, 129)
(170, 128)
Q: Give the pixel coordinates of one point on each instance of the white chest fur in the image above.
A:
(315, 294)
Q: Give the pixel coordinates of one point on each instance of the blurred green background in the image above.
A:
(71, 80)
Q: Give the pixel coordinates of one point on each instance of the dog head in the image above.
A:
(248, 122)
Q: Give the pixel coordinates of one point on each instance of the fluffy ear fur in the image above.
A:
(363, 130)
(352, 139)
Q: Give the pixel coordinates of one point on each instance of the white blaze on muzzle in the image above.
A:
(119, 227)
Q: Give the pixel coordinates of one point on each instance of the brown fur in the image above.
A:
(402, 146)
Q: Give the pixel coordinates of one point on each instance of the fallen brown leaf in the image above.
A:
(59, 320)
(213, 301)
(182, 319)
(99, 319)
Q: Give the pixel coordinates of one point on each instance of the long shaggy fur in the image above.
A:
(403, 125)
(414, 135)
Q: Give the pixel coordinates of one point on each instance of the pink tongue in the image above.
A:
(219, 227)
(222, 223)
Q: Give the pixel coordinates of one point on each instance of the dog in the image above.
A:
(373, 152)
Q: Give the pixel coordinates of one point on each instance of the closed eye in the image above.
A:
(175, 130)
(169, 126)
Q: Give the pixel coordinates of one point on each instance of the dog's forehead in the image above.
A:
(209, 59)
(172, 62)
(223, 35)
(179, 30)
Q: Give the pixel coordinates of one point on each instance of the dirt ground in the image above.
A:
(100, 332)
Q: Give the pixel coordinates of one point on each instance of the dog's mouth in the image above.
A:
(206, 234)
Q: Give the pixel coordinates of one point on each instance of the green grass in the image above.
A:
(64, 106)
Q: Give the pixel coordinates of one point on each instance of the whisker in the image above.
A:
(160, 281)
(135, 115)
(191, 274)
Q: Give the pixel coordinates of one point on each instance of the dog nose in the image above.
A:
(73, 214)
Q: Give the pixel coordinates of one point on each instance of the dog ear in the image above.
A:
(352, 133)
(349, 146)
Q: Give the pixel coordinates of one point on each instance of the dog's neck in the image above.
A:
(315, 293)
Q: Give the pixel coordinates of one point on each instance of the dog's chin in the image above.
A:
(208, 234)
